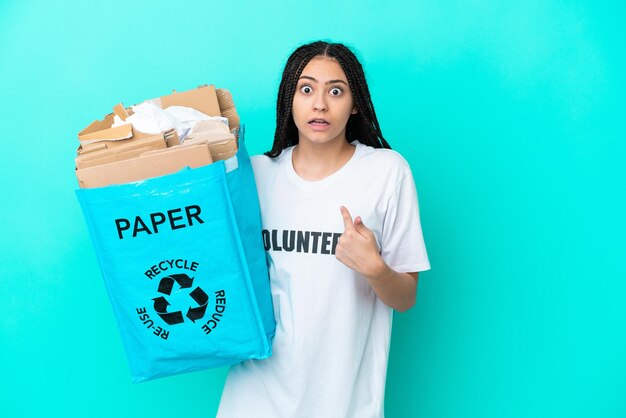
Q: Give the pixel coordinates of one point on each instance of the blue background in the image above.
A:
(511, 115)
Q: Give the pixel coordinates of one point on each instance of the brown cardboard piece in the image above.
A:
(125, 150)
(209, 131)
(227, 108)
(147, 165)
(223, 150)
(170, 137)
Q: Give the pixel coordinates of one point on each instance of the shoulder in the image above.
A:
(263, 162)
(383, 160)
(264, 166)
(260, 162)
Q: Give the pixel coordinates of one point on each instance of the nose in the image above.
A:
(319, 102)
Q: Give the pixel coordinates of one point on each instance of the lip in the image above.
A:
(319, 124)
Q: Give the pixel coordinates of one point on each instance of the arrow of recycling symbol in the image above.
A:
(198, 295)
(160, 305)
(201, 299)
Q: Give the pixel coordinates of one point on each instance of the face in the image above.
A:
(322, 103)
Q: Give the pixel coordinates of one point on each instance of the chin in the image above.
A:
(321, 139)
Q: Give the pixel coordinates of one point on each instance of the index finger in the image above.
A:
(347, 218)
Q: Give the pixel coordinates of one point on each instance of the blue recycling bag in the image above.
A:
(183, 262)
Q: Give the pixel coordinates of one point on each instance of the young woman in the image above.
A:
(344, 243)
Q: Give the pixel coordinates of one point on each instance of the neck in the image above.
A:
(316, 161)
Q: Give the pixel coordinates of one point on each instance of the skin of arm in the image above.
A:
(357, 249)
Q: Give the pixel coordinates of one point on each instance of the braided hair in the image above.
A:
(362, 126)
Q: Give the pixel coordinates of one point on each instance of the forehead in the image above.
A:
(324, 68)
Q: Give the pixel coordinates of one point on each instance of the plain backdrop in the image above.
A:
(511, 115)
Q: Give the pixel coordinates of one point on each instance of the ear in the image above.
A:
(353, 111)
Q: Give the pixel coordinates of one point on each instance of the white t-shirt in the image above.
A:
(332, 335)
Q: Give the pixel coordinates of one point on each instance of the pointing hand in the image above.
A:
(357, 247)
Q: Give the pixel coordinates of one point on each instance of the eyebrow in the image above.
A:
(328, 82)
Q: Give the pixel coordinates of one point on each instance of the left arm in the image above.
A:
(357, 249)
(396, 290)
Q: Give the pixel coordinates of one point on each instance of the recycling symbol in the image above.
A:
(176, 317)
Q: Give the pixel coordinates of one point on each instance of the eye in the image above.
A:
(306, 89)
(336, 91)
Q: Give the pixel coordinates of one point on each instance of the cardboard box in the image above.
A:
(149, 164)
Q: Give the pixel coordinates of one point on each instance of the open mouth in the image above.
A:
(319, 122)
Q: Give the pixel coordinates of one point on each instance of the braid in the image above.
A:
(362, 126)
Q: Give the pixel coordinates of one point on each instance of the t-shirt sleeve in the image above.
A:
(402, 242)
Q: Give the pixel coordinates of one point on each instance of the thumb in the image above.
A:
(360, 226)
